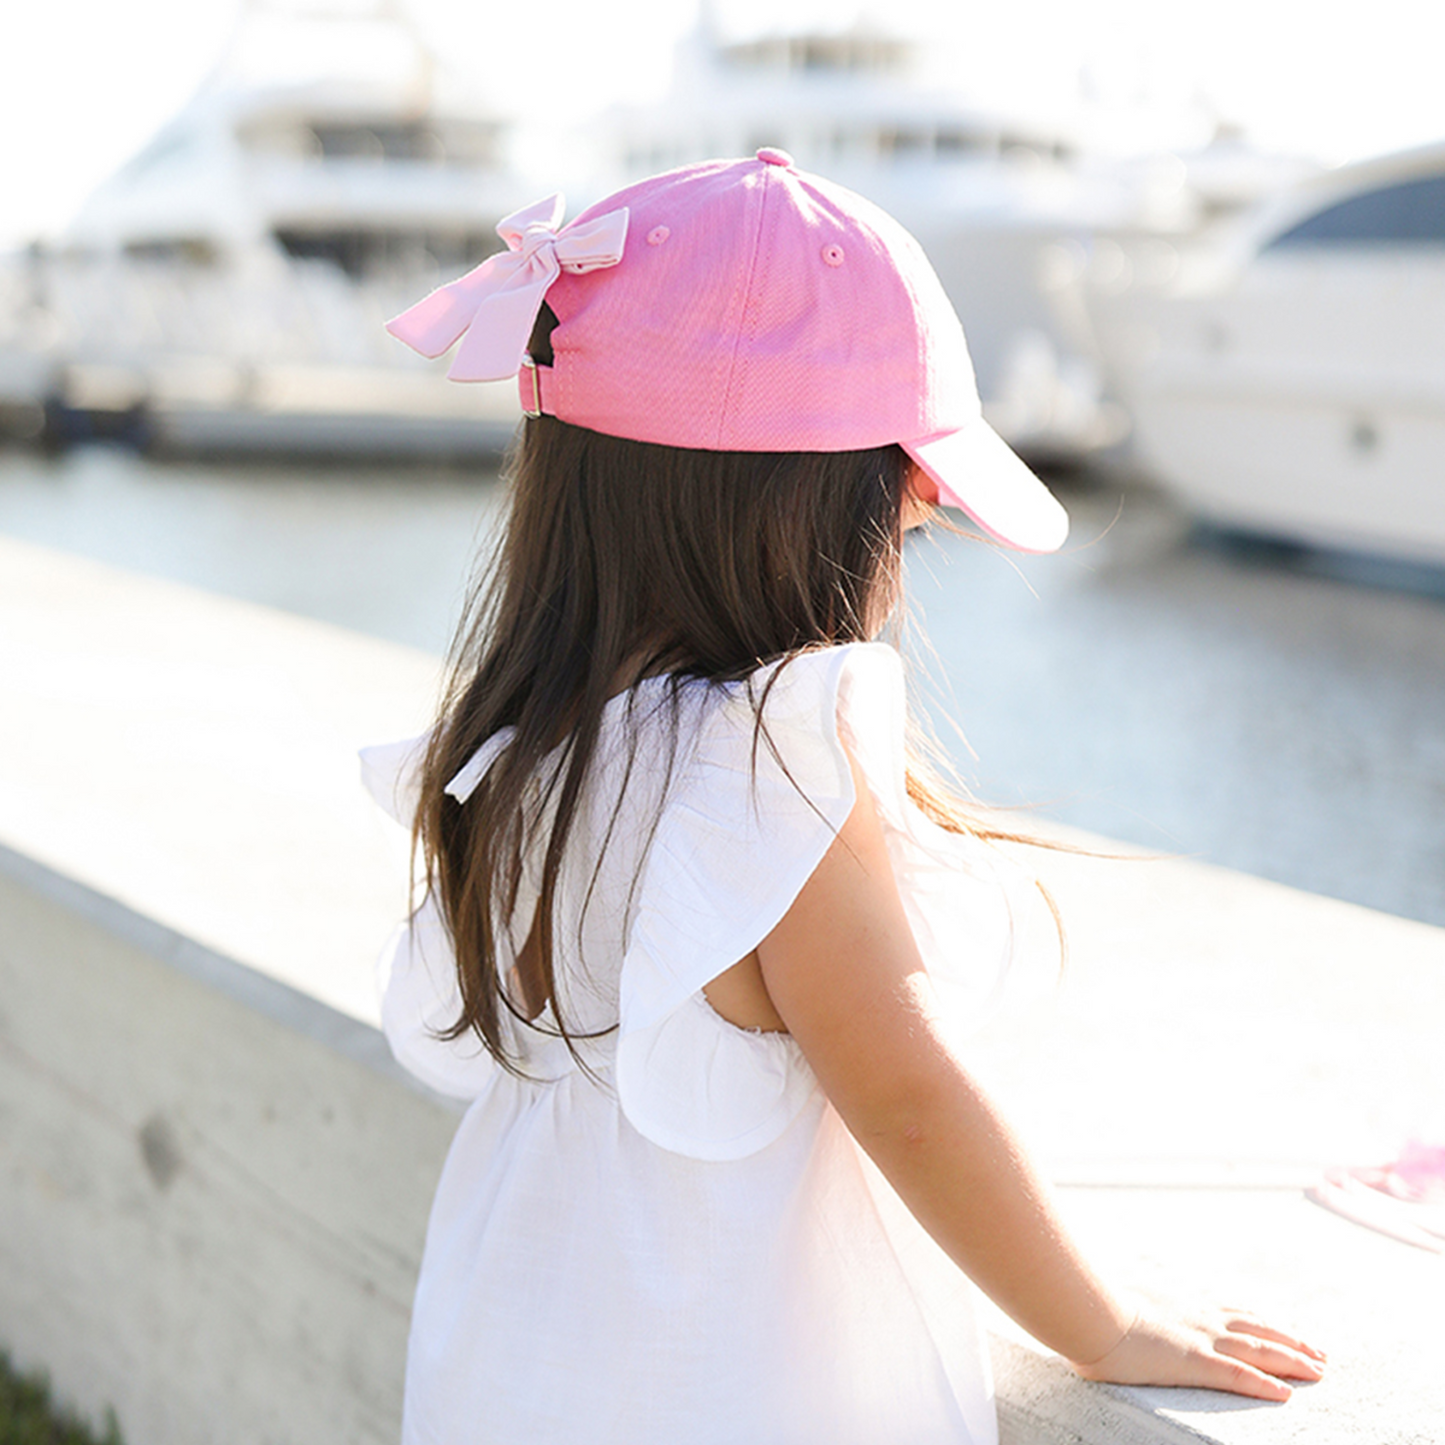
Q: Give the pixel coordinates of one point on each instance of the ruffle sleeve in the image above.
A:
(746, 822)
(416, 973)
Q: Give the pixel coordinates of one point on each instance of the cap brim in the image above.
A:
(978, 472)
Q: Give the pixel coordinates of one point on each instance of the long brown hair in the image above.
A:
(621, 559)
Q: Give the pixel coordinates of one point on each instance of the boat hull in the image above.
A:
(1303, 397)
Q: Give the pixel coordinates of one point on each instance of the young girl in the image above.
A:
(697, 932)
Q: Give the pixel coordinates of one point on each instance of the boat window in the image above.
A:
(958, 141)
(367, 252)
(858, 50)
(457, 142)
(174, 250)
(1410, 213)
(379, 141)
(1018, 152)
(897, 140)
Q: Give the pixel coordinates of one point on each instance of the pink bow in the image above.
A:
(496, 304)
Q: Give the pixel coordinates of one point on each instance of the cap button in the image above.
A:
(772, 156)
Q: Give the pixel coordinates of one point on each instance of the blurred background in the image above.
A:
(1199, 254)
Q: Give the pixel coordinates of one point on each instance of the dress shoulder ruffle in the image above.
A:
(747, 820)
(417, 972)
(747, 816)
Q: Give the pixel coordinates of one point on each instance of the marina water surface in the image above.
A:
(1250, 706)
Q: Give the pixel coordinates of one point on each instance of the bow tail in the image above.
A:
(501, 327)
(436, 321)
(493, 308)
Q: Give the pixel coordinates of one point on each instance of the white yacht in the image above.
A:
(1004, 203)
(1290, 380)
(228, 286)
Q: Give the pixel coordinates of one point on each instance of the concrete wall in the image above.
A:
(213, 1188)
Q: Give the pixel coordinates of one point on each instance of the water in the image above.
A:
(1224, 703)
(1246, 705)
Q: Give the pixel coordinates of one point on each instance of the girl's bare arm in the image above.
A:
(845, 976)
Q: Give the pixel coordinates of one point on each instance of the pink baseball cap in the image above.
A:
(740, 306)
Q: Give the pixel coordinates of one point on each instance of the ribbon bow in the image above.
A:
(494, 306)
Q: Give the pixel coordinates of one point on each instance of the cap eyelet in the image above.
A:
(657, 235)
(833, 255)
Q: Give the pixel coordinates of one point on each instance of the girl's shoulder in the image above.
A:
(755, 803)
(827, 698)
(835, 675)
(830, 669)
(795, 721)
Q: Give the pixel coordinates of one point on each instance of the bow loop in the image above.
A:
(493, 308)
(594, 245)
(545, 215)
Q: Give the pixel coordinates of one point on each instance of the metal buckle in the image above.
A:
(536, 408)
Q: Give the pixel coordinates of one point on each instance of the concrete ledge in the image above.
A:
(268, 997)
(1042, 1402)
(215, 1188)
(215, 1182)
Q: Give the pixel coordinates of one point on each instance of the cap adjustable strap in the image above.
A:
(531, 389)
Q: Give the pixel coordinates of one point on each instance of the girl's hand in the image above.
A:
(1211, 1349)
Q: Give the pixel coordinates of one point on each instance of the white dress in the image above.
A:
(689, 1248)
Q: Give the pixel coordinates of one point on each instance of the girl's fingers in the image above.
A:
(1270, 1356)
(1214, 1349)
(1242, 1379)
(1247, 1324)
